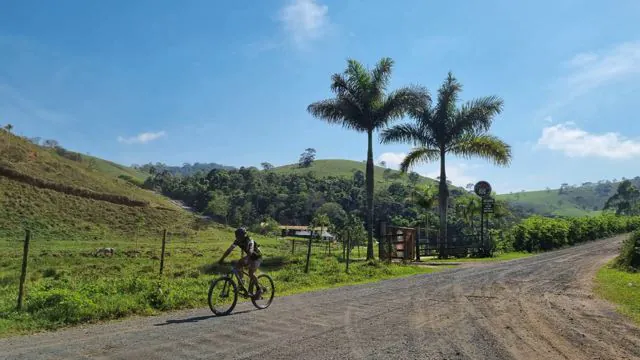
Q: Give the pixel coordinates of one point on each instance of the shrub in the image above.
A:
(61, 306)
(629, 258)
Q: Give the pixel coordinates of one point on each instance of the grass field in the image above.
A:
(67, 284)
(551, 203)
(621, 288)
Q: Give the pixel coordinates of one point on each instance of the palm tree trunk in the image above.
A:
(444, 196)
(370, 194)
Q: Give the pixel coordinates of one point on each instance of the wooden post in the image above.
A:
(344, 247)
(164, 241)
(348, 249)
(23, 274)
(293, 246)
(417, 240)
(306, 267)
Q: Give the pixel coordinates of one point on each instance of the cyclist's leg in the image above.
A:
(239, 266)
(253, 265)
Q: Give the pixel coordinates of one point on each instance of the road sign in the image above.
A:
(482, 189)
(487, 205)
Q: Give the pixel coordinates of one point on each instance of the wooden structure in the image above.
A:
(397, 242)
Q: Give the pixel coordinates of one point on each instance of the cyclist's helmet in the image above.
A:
(241, 233)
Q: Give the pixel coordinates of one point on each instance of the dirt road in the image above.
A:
(534, 308)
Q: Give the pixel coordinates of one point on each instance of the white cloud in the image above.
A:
(392, 159)
(575, 142)
(142, 138)
(456, 173)
(304, 20)
(590, 71)
(548, 119)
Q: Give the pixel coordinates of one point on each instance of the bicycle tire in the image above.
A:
(234, 288)
(270, 287)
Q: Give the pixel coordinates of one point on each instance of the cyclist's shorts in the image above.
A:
(252, 264)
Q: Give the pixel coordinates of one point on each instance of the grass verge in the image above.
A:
(621, 288)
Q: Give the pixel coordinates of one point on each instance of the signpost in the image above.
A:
(483, 189)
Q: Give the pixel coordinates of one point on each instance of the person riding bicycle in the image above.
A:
(251, 260)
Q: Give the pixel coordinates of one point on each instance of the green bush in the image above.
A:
(629, 258)
(61, 306)
(538, 233)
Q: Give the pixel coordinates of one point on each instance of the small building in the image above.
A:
(303, 231)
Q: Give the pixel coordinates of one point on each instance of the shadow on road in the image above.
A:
(199, 318)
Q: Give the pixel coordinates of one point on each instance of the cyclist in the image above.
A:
(251, 260)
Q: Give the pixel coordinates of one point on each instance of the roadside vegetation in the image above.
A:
(619, 281)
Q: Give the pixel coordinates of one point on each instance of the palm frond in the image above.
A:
(487, 147)
(447, 99)
(338, 111)
(402, 133)
(417, 156)
(358, 76)
(400, 102)
(381, 74)
(476, 115)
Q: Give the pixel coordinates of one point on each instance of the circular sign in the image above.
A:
(482, 188)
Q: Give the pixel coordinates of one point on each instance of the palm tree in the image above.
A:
(446, 128)
(425, 197)
(361, 103)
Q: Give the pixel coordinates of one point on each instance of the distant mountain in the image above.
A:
(184, 170)
(569, 200)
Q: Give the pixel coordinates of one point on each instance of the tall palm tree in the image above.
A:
(362, 103)
(448, 129)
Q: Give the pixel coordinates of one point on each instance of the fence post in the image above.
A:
(164, 241)
(306, 267)
(348, 249)
(293, 246)
(23, 274)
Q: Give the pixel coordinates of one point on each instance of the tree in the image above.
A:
(336, 214)
(626, 200)
(446, 128)
(50, 143)
(35, 140)
(266, 166)
(414, 178)
(361, 103)
(8, 127)
(307, 158)
(383, 164)
(425, 197)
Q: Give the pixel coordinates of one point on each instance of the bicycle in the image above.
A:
(230, 288)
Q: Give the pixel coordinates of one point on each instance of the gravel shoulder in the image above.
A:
(539, 307)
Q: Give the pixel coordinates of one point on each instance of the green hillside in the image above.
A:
(346, 168)
(53, 192)
(585, 199)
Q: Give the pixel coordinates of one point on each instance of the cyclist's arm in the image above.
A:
(226, 253)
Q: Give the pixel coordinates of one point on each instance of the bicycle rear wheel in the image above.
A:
(223, 296)
(268, 291)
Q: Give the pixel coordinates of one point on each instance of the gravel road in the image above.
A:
(535, 308)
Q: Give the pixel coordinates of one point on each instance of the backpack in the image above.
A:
(257, 254)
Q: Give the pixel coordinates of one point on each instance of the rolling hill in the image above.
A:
(62, 194)
(346, 168)
(586, 199)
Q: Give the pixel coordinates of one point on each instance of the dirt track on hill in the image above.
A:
(535, 308)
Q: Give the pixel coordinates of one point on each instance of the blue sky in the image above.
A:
(229, 82)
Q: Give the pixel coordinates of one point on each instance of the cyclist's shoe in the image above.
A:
(258, 295)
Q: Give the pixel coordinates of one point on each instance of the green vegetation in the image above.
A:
(346, 169)
(53, 212)
(67, 284)
(629, 258)
(446, 129)
(621, 288)
(541, 234)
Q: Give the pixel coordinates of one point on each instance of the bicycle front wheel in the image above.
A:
(265, 283)
(223, 296)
